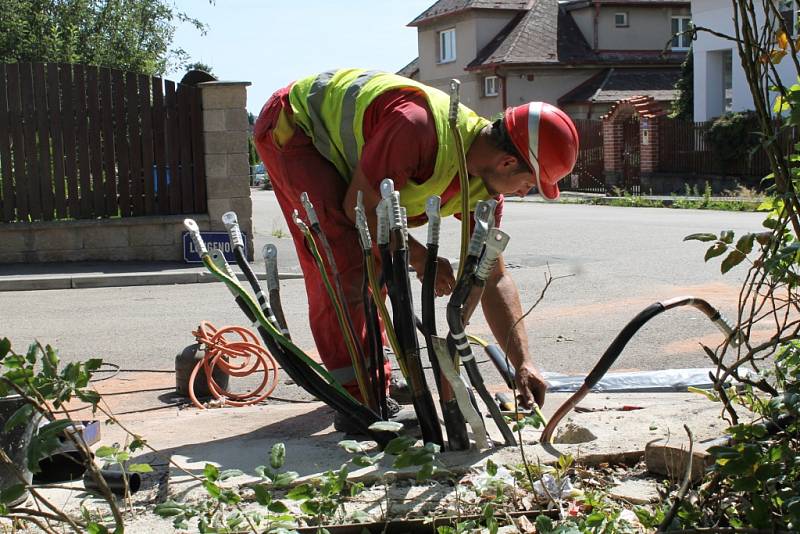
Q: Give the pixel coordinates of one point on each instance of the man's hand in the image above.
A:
(531, 386)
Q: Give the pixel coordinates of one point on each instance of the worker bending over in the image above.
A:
(334, 134)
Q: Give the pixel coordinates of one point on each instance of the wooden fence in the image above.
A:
(84, 142)
(683, 147)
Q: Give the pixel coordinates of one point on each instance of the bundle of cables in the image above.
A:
(305, 372)
(237, 352)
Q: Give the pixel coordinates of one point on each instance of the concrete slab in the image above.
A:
(240, 438)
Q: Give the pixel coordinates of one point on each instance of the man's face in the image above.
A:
(508, 178)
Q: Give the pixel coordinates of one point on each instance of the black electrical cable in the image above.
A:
(456, 323)
(454, 423)
(375, 341)
(356, 412)
(621, 340)
(404, 323)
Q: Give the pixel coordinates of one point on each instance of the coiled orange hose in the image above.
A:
(239, 354)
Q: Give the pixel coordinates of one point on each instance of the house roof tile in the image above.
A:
(544, 34)
(448, 7)
(548, 35)
(616, 84)
(411, 69)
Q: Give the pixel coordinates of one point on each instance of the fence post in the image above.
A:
(612, 151)
(225, 131)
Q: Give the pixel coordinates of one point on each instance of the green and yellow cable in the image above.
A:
(463, 177)
(362, 377)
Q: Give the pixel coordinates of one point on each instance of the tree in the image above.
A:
(683, 106)
(197, 65)
(133, 35)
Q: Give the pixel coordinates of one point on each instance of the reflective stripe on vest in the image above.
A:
(330, 108)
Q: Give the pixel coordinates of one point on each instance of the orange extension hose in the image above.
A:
(239, 354)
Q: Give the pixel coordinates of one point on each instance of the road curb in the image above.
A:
(42, 283)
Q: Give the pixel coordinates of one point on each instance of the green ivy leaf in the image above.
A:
(140, 468)
(284, 479)
(701, 237)
(301, 492)
(745, 243)
(5, 347)
(95, 528)
(715, 250)
(491, 468)
(426, 472)
(12, 493)
(277, 455)
(263, 497)
(19, 417)
(734, 258)
(169, 509)
(278, 507)
(211, 472)
(399, 445)
(212, 489)
(310, 507)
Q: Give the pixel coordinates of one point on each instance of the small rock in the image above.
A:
(572, 433)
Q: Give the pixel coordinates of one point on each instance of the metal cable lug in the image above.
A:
(194, 234)
(492, 207)
(299, 222)
(455, 86)
(218, 258)
(231, 223)
(387, 188)
(733, 335)
(482, 215)
(362, 226)
(404, 220)
(432, 209)
(309, 207)
(395, 215)
(496, 243)
(270, 254)
(382, 213)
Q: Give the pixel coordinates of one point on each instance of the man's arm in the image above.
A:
(502, 310)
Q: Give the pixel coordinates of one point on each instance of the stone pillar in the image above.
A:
(225, 131)
(612, 150)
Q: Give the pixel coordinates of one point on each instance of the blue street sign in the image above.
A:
(213, 240)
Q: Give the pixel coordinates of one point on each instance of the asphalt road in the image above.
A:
(607, 263)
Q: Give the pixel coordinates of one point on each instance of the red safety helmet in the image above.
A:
(548, 141)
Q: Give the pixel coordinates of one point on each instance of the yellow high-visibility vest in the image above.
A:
(329, 107)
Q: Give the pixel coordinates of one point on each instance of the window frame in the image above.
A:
(625, 23)
(495, 84)
(677, 40)
(444, 41)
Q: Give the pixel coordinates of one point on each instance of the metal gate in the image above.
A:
(631, 155)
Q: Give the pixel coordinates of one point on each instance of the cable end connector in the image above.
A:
(270, 253)
(299, 222)
(309, 207)
(231, 223)
(496, 243)
(455, 87)
(361, 224)
(433, 208)
(735, 336)
(483, 212)
(194, 234)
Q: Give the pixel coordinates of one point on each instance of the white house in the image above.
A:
(719, 80)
